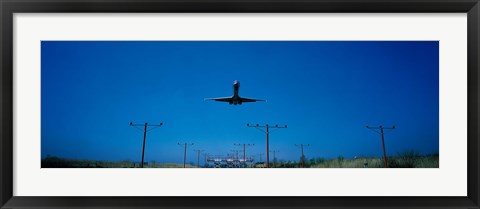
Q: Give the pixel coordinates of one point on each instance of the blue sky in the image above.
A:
(326, 92)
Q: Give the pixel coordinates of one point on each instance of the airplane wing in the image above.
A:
(221, 99)
(252, 100)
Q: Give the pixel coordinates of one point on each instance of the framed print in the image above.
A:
(245, 104)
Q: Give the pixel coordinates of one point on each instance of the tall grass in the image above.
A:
(408, 159)
(56, 162)
(351, 163)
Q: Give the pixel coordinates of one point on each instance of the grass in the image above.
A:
(408, 159)
(56, 162)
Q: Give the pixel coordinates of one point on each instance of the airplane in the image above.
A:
(235, 99)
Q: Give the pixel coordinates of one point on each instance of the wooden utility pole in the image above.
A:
(274, 158)
(205, 159)
(260, 159)
(303, 156)
(381, 128)
(267, 133)
(244, 155)
(145, 135)
(236, 160)
(185, 152)
(198, 157)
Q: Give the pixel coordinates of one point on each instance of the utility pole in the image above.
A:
(303, 156)
(381, 128)
(185, 152)
(274, 158)
(244, 159)
(205, 159)
(198, 157)
(267, 133)
(145, 134)
(260, 156)
(235, 156)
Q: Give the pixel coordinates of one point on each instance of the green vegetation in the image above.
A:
(56, 162)
(408, 159)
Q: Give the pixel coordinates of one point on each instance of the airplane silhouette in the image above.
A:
(235, 99)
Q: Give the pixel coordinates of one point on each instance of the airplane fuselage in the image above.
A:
(236, 99)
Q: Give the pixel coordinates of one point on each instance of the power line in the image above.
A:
(244, 159)
(303, 156)
(381, 128)
(145, 134)
(185, 151)
(267, 133)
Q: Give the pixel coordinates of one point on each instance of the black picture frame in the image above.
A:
(9, 7)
